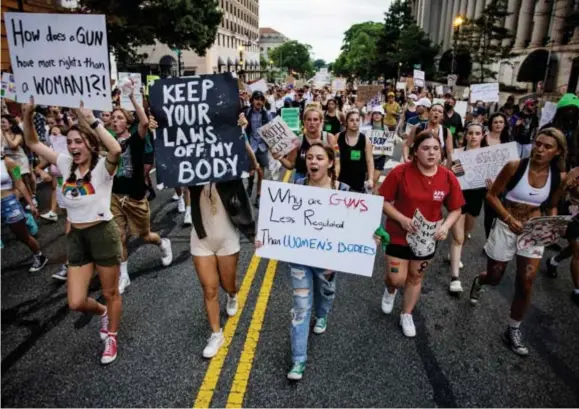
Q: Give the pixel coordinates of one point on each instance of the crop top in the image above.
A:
(524, 193)
(86, 202)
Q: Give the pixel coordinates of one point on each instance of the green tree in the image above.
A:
(359, 56)
(485, 38)
(319, 63)
(293, 56)
(132, 23)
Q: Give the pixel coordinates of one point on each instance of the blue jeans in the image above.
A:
(311, 286)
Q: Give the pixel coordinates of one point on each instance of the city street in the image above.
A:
(50, 355)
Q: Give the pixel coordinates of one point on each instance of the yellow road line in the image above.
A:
(239, 386)
(207, 389)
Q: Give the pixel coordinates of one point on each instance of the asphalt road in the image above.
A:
(50, 355)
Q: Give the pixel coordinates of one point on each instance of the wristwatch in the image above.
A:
(95, 124)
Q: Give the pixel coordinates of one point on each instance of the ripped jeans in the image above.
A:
(311, 286)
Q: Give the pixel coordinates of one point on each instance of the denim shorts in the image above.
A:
(12, 211)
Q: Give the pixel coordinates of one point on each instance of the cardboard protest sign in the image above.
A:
(418, 78)
(543, 231)
(422, 243)
(484, 92)
(9, 86)
(279, 137)
(291, 116)
(339, 84)
(382, 142)
(323, 228)
(365, 93)
(135, 78)
(60, 59)
(547, 113)
(198, 139)
(484, 163)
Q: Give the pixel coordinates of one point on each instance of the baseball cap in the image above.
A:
(568, 100)
(425, 102)
(391, 94)
(257, 95)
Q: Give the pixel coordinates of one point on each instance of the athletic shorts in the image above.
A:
(149, 158)
(379, 162)
(573, 229)
(502, 244)
(474, 199)
(405, 253)
(12, 210)
(99, 244)
(131, 213)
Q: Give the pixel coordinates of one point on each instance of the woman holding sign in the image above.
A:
(414, 194)
(523, 189)
(93, 241)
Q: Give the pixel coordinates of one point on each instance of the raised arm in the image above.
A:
(31, 137)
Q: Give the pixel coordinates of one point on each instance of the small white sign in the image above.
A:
(60, 59)
(9, 86)
(382, 142)
(279, 137)
(401, 86)
(547, 113)
(422, 243)
(324, 228)
(339, 84)
(484, 92)
(419, 78)
(460, 108)
(124, 79)
(260, 85)
(439, 90)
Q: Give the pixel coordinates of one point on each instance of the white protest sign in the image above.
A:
(324, 228)
(9, 86)
(439, 90)
(339, 84)
(484, 92)
(460, 108)
(401, 86)
(484, 163)
(543, 231)
(465, 93)
(60, 59)
(547, 113)
(260, 85)
(438, 101)
(124, 79)
(422, 243)
(279, 137)
(382, 142)
(323, 71)
(418, 78)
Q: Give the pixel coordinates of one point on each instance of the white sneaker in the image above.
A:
(50, 216)
(167, 252)
(213, 344)
(124, 282)
(231, 306)
(455, 286)
(407, 324)
(187, 221)
(160, 186)
(388, 301)
(181, 205)
(175, 197)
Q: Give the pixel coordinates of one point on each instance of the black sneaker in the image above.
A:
(575, 297)
(151, 195)
(514, 339)
(475, 291)
(551, 269)
(62, 273)
(38, 264)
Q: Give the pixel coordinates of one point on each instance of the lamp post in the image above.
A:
(458, 21)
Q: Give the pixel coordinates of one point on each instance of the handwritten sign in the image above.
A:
(382, 142)
(135, 78)
(279, 137)
(9, 86)
(325, 228)
(547, 113)
(365, 93)
(422, 243)
(484, 92)
(543, 231)
(291, 116)
(484, 163)
(198, 139)
(339, 84)
(60, 59)
(418, 78)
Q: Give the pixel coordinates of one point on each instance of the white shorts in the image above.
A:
(214, 246)
(502, 244)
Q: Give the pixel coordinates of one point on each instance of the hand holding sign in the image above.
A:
(279, 137)
(422, 241)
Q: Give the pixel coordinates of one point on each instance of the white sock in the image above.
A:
(188, 209)
(514, 324)
(125, 269)
(576, 291)
(553, 261)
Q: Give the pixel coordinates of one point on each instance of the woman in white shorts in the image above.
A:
(529, 187)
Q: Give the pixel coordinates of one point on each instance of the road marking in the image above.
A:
(207, 389)
(239, 386)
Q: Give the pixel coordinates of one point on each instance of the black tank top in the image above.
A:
(332, 124)
(301, 158)
(353, 162)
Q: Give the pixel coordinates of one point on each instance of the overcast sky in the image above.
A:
(319, 23)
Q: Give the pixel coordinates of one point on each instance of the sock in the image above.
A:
(105, 313)
(576, 291)
(113, 334)
(125, 269)
(553, 261)
(188, 209)
(514, 324)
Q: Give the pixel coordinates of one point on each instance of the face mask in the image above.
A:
(448, 107)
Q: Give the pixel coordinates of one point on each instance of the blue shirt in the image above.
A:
(257, 144)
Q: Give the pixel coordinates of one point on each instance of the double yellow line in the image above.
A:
(243, 371)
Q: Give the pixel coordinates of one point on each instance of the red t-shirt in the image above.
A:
(409, 189)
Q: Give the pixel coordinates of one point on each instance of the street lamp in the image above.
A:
(457, 22)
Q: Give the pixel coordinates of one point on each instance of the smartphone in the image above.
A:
(460, 173)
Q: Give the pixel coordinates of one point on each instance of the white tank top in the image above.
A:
(524, 193)
(5, 179)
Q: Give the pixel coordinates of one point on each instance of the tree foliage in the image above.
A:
(187, 25)
(293, 56)
(319, 63)
(484, 39)
(359, 56)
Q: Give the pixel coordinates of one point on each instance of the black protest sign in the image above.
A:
(198, 139)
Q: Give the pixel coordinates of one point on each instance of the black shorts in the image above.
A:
(149, 158)
(573, 229)
(405, 253)
(379, 162)
(474, 199)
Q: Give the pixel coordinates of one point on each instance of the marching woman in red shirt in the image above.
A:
(421, 185)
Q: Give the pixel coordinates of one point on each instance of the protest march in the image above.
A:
(339, 191)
